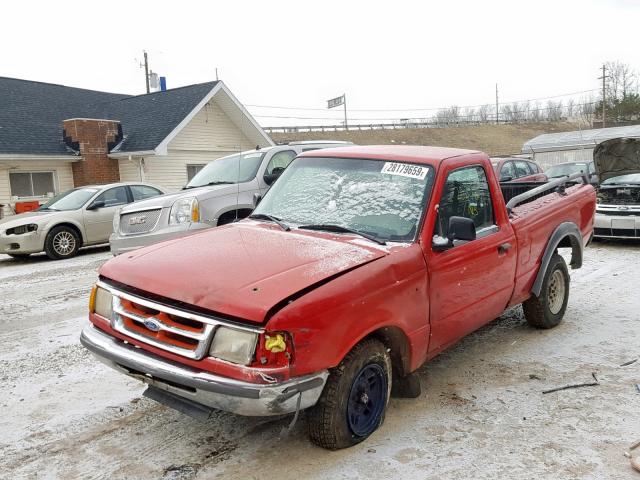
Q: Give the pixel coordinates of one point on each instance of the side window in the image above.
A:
(522, 170)
(113, 196)
(140, 192)
(280, 160)
(507, 171)
(466, 194)
(533, 167)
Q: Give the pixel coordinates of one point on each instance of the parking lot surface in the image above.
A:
(482, 413)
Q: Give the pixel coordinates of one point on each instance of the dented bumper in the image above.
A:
(202, 387)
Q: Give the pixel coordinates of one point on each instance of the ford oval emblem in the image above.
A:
(152, 324)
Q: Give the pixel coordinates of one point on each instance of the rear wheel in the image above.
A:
(61, 242)
(547, 310)
(354, 400)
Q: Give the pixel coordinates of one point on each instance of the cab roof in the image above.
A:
(407, 153)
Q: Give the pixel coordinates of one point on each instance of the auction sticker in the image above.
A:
(404, 170)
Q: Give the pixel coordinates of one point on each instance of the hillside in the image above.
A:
(493, 139)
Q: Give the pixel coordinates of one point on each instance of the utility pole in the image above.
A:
(146, 71)
(497, 110)
(604, 92)
(344, 102)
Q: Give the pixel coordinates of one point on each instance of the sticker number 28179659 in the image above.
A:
(404, 170)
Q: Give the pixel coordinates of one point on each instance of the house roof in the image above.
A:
(32, 113)
(578, 138)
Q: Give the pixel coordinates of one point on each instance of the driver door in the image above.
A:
(98, 216)
(471, 282)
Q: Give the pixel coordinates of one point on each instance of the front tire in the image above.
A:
(61, 242)
(547, 310)
(354, 399)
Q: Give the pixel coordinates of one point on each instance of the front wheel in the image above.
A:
(547, 310)
(61, 242)
(354, 400)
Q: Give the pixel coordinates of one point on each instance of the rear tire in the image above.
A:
(354, 399)
(61, 242)
(547, 310)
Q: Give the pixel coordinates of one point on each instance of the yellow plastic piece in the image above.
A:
(195, 212)
(92, 299)
(275, 344)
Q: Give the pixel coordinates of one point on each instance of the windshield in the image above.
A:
(70, 200)
(623, 179)
(567, 169)
(233, 169)
(382, 199)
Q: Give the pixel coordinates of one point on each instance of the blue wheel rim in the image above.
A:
(367, 400)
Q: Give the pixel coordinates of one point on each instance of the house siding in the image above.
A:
(63, 175)
(208, 136)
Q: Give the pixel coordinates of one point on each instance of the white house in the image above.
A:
(53, 137)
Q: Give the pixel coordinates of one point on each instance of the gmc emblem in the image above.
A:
(137, 220)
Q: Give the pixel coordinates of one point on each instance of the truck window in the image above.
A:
(507, 171)
(280, 160)
(466, 194)
(522, 170)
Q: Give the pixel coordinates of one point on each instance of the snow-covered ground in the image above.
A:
(482, 414)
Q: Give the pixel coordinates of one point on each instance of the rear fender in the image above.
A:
(567, 234)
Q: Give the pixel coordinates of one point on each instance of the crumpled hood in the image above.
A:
(38, 217)
(168, 199)
(615, 157)
(241, 269)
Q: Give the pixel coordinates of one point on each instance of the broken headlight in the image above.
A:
(22, 229)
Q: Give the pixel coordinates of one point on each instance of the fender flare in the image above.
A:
(567, 234)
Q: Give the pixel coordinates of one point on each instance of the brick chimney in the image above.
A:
(93, 138)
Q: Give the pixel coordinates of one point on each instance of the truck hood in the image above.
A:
(165, 201)
(615, 157)
(38, 217)
(241, 269)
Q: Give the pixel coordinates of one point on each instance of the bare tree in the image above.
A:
(484, 112)
(622, 80)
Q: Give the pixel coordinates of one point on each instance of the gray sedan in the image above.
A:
(73, 219)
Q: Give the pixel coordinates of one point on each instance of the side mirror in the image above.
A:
(256, 199)
(273, 176)
(96, 205)
(460, 228)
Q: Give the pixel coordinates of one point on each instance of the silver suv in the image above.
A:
(222, 192)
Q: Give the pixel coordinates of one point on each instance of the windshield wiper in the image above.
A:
(208, 184)
(271, 218)
(341, 229)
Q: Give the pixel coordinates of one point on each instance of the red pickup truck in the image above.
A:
(358, 266)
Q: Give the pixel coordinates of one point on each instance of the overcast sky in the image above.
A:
(383, 55)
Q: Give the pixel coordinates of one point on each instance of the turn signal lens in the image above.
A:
(195, 212)
(92, 299)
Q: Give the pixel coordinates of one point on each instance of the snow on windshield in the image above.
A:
(350, 193)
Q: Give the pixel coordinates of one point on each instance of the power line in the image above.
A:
(420, 109)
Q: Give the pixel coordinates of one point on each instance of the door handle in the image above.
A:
(504, 248)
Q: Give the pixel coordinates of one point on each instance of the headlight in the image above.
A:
(233, 345)
(22, 229)
(101, 302)
(185, 210)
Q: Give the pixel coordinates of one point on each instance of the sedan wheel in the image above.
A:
(61, 242)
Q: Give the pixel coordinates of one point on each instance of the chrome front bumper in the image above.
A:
(205, 388)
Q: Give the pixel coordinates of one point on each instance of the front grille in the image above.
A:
(139, 222)
(168, 328)
(616, 232)
(620, 213)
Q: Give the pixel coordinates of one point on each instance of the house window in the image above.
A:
(192, 170)
(31, 184)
